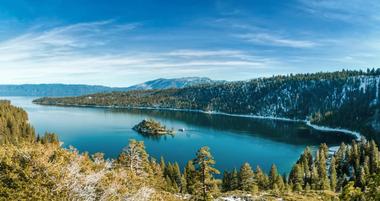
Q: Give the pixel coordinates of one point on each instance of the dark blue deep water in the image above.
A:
(232, 140)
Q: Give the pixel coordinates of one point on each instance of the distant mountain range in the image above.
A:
(61, 90)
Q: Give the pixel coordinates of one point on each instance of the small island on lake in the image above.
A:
(152, 128)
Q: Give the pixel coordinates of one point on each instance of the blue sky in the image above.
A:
(120, 43)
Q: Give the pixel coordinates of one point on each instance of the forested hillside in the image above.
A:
(39, 169)
(14, 126)
(162, 83)
(345, 99)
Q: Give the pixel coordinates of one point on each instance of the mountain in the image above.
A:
(56, 90)
(63, 90)
(345, 99)
(171, 83)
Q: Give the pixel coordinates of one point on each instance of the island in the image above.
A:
(152, 128)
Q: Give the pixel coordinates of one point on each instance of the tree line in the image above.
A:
(345, 99)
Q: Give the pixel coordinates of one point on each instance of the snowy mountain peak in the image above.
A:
(163, 83)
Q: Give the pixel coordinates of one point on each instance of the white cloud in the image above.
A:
(351, 11)
(84, 53)
(204, 53)
(272, 40)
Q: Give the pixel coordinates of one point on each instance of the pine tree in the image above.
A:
(226, 181)
(306, 161)
(341, 160)
(349, 192)
(135, 158)
(354, 157)
(323, 147)
(184, 184)
(324, 181)
(246, 177)
(314, 182)
(204, 163)
(333, 176)
(366, 165)
(374, 157)
(261, 179)
(280, 183)
(372, 191)
(296, 177)
(234, 179)
(190, 176)
(361, 180)
(162, 163)
(177, 175)
(307, 187)
(273, 174)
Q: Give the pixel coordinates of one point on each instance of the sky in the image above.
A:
(121, 43)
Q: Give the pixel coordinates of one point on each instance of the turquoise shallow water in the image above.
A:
(233, 140)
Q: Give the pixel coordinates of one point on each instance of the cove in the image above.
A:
(233, 140)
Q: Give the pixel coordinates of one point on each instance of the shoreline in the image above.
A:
(355, 134)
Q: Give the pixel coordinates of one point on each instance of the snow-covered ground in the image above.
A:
(324, 128)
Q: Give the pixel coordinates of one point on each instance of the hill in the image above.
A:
(345, 99)
(171, 83)
(63, 90)
(54, 90)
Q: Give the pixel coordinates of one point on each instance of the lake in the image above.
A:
(232, 140)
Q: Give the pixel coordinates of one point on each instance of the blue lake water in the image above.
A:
(232, 140)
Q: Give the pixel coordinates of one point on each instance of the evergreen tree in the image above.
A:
(234, 179)
(372, 191)
(333, 176)
(204, 163)
(162, 163)
(262, 179)
(177, 175)
(273, 175)
(314, 182)
(361, 180)
(280, 183)
(135, 158)
(374, 157)
(351, 193)
(366, 165)
(354, 157)
(324, 181)
(323, 147)
(226, 181)
(246, 177)
(306, 161)
(183, 184)
(190, 176)
(296, 177)
(341, 160)
(49, 138)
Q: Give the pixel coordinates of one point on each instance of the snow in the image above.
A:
(367, 83)
(324, 128)
(80, 184)
(143, 194)
(244, 198)
(363, 84)
(230, 198)
(333, 149)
